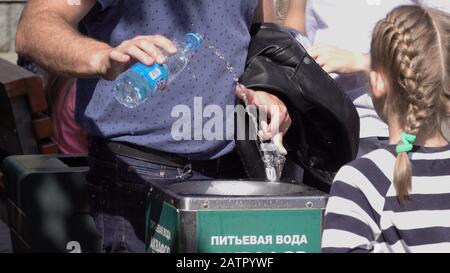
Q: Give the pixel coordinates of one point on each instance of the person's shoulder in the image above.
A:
(374, 168)
(380, 157)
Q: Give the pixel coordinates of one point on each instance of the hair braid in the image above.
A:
(406, 46)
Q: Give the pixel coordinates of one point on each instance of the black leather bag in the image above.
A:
(325, 131)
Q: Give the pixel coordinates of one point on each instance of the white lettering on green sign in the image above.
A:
(291, 240)
(259, 240)
(241, 240)
(160, 230)
(266, 231)
(159, 247)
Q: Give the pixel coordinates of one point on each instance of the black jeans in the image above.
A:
(118, 191)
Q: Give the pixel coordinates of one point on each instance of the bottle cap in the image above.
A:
(194, 39)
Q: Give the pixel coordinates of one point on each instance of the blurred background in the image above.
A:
(9, 16)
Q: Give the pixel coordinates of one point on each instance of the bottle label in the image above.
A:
(156, 75)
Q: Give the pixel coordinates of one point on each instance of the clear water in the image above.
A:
(176, 64)
(232, 71)
(221, 56)
(131, 89)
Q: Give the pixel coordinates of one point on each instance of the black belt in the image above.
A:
(153, 156)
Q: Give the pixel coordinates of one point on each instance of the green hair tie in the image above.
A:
(407, 141)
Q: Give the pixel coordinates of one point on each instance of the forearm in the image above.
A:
(296, 15)
(295, 23)
(55, 44)
(265, 12)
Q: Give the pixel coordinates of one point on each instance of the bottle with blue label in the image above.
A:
(140, 81)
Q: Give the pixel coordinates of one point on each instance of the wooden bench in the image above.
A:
(25, 125)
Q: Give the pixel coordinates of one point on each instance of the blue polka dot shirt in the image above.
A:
(225, 24)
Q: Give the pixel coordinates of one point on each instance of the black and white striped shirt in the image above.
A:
(364, 215)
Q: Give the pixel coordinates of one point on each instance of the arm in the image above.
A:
(296, 16)
(337, 60)
(42, 30)
(330, 58)
(265, 12)
(277, 113)
(47, 34)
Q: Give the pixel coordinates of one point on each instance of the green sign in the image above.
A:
(161, 228)
(264, 231)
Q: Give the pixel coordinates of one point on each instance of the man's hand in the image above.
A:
(279, 119)
(336, 60)
(44, 24)
(112, 62)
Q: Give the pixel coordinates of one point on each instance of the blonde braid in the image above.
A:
(399, 49)
(408, 63)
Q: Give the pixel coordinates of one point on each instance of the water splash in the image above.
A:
(222, 57)
(219, 54)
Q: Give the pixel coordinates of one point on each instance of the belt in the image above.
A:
(153, 156)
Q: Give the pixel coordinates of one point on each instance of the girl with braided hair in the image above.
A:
(337, 34)
(397, 199)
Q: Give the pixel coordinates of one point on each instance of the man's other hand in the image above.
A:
(278, 121)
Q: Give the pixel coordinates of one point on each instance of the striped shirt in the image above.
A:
(363, 213)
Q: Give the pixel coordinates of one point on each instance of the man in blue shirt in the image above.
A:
(131, 148)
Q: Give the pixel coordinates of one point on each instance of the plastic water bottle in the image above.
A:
(140, 81)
